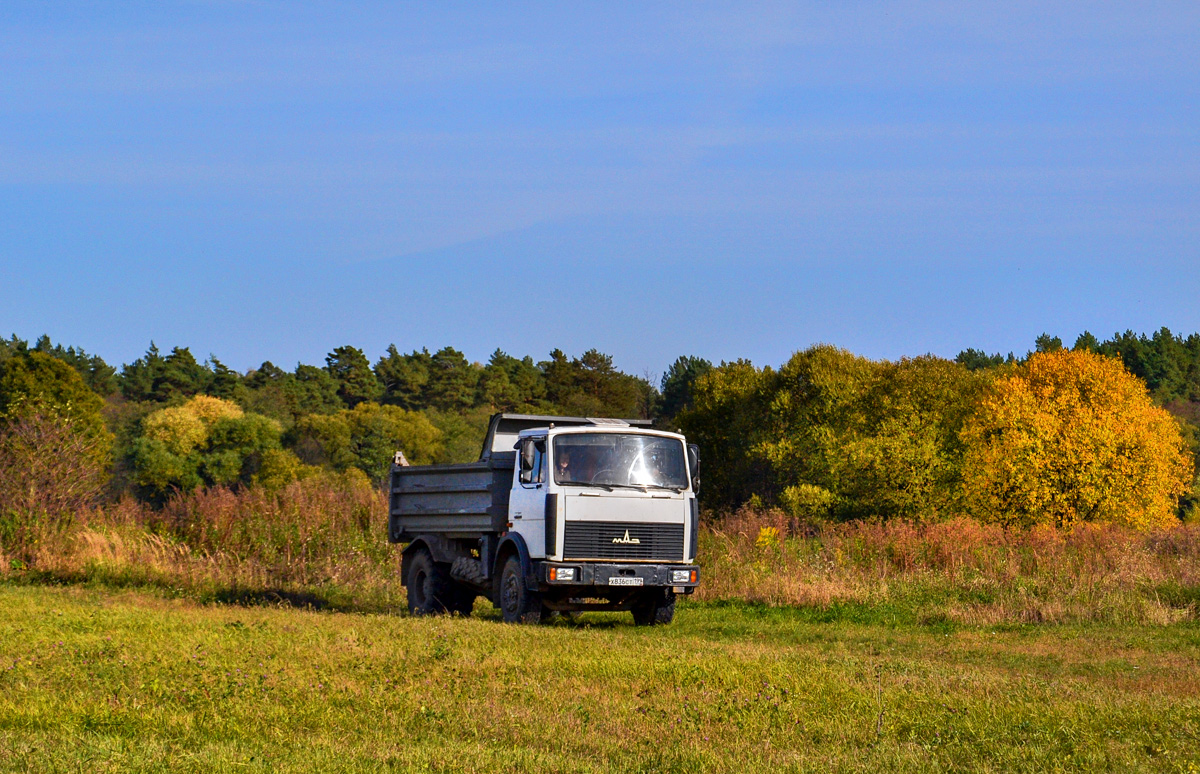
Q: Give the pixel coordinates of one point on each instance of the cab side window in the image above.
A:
(533, 462)
(539, 462)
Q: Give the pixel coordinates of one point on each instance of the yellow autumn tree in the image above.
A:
(1069, 437)
(183, 428)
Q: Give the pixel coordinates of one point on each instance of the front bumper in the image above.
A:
(626, 575)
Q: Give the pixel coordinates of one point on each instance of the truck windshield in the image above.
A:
(619, 460)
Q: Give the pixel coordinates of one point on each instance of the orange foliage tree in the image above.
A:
(1069, 437)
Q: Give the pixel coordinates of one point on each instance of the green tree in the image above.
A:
(726, 420)
(236, 446)
(1129, 348)
(902, 458)
(832, 434)
(813, 406)
(280, 467)
(461, 434)
(977, 360)
(590, 385)
(315, 391)
(352, 372)
(10, 347)
(272, 392)
(159, 470)
(597, 378)
(404, 377)
(1048, 343)
(224, 382)
(496, 389)
(378, 432)
(1086, 342)
(452, 381)
(138, 378)
(365, 437)
(323, 440)
(510, 384)
(559, 377)
(180, 377)
(99, 376)
(1191, 347)
(1166, 363)
(678, 382)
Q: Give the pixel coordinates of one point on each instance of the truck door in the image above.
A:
(527, 501)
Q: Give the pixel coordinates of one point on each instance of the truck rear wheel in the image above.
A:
(517, 603)
(430, 590)
(654, 608)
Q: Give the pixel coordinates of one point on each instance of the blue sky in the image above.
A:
(271, 180)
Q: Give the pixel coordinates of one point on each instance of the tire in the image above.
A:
(517, 604)
(430, 590)
(656, 608)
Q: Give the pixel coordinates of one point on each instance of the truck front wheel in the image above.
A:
(517, 603)
(429, 586)
(655, 607)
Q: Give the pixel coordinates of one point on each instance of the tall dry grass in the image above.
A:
(322, 542)
(958, 570)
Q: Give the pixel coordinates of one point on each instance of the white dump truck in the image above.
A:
(558, 515)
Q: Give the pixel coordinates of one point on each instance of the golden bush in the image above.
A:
(1069, 437)
(184, 428)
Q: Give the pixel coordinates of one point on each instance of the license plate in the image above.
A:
(619, 580)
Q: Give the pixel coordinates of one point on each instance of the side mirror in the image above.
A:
(694, 465)
(527, 460)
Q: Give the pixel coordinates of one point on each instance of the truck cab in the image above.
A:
(596, 514)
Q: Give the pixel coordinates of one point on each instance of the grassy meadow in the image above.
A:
(103, 680)
(255, 631)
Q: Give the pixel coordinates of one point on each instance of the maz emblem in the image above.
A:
(627, 540)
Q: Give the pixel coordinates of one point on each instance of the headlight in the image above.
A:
(562, 573)
(681, 576)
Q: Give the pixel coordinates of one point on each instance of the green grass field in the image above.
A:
(94, 680)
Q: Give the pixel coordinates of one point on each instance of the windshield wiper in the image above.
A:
(586, 483)
(644, 487)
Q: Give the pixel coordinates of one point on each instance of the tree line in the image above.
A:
(1104, 431)
(827, 435)
(175, 423)
(1168, 363)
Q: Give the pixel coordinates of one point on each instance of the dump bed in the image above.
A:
(456, 501)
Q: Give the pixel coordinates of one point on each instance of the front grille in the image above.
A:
(594, 540)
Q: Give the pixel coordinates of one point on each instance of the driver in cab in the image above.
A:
(562, 464)
(573, 464)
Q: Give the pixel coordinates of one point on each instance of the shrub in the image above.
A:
(280, 467)
(51, 469)
(33, 383)
(205, 441)
(807, 502)
(1070, 437)
(182, 429)
(55, 453)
